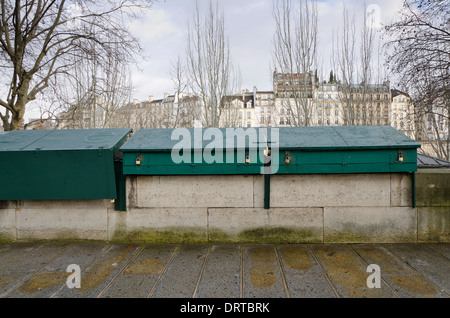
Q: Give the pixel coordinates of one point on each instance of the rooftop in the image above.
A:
(425, 161)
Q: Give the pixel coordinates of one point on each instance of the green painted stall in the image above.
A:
(299, 150)
(61, 164)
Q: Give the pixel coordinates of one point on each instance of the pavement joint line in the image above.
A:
(37, 271)
(136, 254)
(283, 275)
(202, 271)
(434, 251)
(324, 272)
(20, 257)
(382, 279)
(419, 272)
(103, 251)
(241, 272)
(174, 253)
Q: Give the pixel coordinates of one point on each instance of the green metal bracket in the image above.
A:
(120, 203)
(413, 189)
(267, 191)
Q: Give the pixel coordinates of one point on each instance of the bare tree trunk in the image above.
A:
(344, 61)
(367, 41)
(295, 57)
(209, 62)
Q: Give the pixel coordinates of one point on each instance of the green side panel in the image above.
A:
(301, 162)
(162, 164)
(352, 161)
(57, 175)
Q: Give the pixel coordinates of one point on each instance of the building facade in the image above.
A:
(402, 113)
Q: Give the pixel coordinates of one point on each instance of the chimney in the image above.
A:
(166, 95)
(150, 98)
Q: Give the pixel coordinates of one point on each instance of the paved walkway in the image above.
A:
(39, 270)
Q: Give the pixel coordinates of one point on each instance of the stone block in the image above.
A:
(193, 191)
(167, 225)
(288, 225)
(401, 189)
(330, 190)
(62, 224)
(433, 224)
(7, 225)
(433, 187)
(370, 224)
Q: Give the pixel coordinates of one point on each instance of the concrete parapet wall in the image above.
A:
(433, 205)
(303, 208)
(54, 220)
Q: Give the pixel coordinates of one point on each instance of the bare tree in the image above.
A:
(344, 63)
(40, 40)
(93, 92)
(186, 108)
(419, 52)
(295, 57)
(367, 66)
(209, 62)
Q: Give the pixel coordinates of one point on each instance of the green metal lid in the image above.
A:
(164, 140)
(76, 139)
(289, 138)
(343, 138)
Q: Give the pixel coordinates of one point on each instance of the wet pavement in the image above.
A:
(107, 270)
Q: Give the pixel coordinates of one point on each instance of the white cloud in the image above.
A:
(249, 26)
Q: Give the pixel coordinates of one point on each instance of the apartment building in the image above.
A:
(402, 113)
(327, 105)
(365, 104)
(238, 110)
(264, 108)
(292, 85)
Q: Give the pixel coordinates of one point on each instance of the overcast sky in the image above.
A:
(249, 28)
